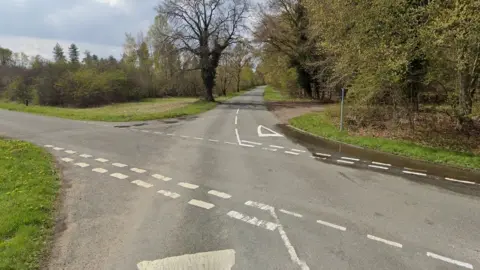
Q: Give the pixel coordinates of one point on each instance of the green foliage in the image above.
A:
(73, 54)
(58, 54)
(5, 56)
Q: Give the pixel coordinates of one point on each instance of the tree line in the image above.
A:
(396, 58)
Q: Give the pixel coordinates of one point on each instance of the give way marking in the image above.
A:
(270, 133)
(214, 260)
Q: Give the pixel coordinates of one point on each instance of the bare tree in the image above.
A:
(241, 57)
(205, 28)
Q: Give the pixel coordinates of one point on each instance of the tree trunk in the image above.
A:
(304, 80)
(208, 77)
(238, 80)
(465, 98)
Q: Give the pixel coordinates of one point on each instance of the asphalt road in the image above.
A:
(213, 186)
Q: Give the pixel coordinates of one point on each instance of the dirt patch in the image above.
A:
(286, 110)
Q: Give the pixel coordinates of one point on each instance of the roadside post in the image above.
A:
(341, 109)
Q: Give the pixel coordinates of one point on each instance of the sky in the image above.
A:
(35, 26)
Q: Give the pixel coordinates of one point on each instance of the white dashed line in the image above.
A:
(100, 170)
(331, 225)
(238, 110)
(381, 164)
(260, 206)
(448, 260)
(86, 156)
(238, 137)
(385, 241)
(170, 134)
(220, 194)
(253, 220)
(247, 145)
(298, 150)
(231, 143)
(198, 138)
(158, 132)
(101, 160)
(255, 143)
(270, 149)
(70, 151)
(161, 177)
(211, 140)
(236, 120)
(349, 158)
(58, 148)
(141, 183)
(292, 153)
(323, 155)
(460, 181)
(137, 170)
(345, 162)
(172, 195)
(48, 145)
(184, 136)
(276, 146)
(412, 169)
(81, 164)
(67, 159)
(201, 204)
(119, 175)
(291, 213)
(378, 167)
(415, 173)
(187, 185)
(120, 165)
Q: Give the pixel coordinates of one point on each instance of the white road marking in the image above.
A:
(291, 213)
(81, 164)
(255, 143)
(460, 181)
(101, 160)
(270, 149)
(137, 170)
(253, 220)
(58, 148)
(48, 145)
(220, 194)
(67, 159)
(211, 140)
(187, 185)
(349, 158)
(415, 173)
(201, 204)
(247, 145)
(381, 164)
(141, 183)
(378, 167)
(161, 177)
(446, 259)
(100, 170)
(298, 150)
(170, 134)
(385, 241)
(345, 162)
(86, 156)
(158, 132)
(292, 153)
(276, 146)
(198, 138)
(231, 143)
(323, 155)
(238, 137)
(271, 134)
(338, 227)
(70, 151)
(260, 206)
(120, 165)
(119, 175)
(184, 136)
(172, 195)
(236, 120)
(213, 260)
(238, 110)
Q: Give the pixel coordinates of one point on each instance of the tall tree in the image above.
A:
(6, 56)
(205, 28)
(58, 54)
(240, 58)
(73, 54)
(87, 60)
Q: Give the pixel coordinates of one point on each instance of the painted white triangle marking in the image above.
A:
(270, 134)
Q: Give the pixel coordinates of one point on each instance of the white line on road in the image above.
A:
(48, 145)
(446, 259)
(137, 170)
(70, 151)
(345, 162)
(170, 134)
(270, 149)
(188, 185)
(101, 160)
(100, 170)
(238, 110)
(119, 175)
(276, 146)
(385, 241)
(253, 220)
(247, 145)
(291, 213)
(323, 155)
(232, 143)
(184, 136)
(236, 120)
(292, 153)
(201, 204)
(298, 150)
(158, 132)
(238, 137)
(255, 143)
(120, 165)
(459, 181)
(172, 195)
(338, 227)
(412, 169)
(81, 164)
(260, 206)
(67, 159)
(381, 164)
(86, 156)
(161, 177)
(198, 138)
(378, 167)
(415, 173)
(220, 194)
(349, 158)
(141, 183)
(211, 140)
(58, 148)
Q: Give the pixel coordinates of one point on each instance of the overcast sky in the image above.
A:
(34, 26)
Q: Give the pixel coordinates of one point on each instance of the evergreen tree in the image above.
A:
(73, 54)
(58, 54)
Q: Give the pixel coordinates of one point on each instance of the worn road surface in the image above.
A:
(227, 187)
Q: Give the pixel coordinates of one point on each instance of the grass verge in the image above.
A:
(320, 124)
(271, 94)
(28, 190)
(148, 109)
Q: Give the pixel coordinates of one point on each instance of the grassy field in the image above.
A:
(320, 124)
(271, 94)
(28, 189)
(148, 109)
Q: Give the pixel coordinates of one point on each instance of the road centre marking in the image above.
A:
(446, 259)
(58, 148)
(276, 146)
(81, 164)
(349, 158)
(137, 170)
(291, 213)
(260, 206)
(119, 175)
(187, 185)
(298, 150)
(378, 167)
(381, 164)
(238, 110)
(415, 173)
(120, 165)
(220, 194)
(70, 152)
(270, 149)
(211, 140)
(48, 145)
(158, 132)
(198, 138)
(161, 177)
(236, 120)
(201, 204)
(345, 161)
(292, 153)
(255, 143)
(101, 160)
(170, 194)
(323, 155)
(231, 143)
(385, 241)
(331, 225)
(141, 183)
(100, 170)
(253, 220)
(86, 156)
(184, 136)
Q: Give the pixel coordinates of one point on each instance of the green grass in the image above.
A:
(320, 124)
(148, 109)
(271, 94)
(28, 189)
